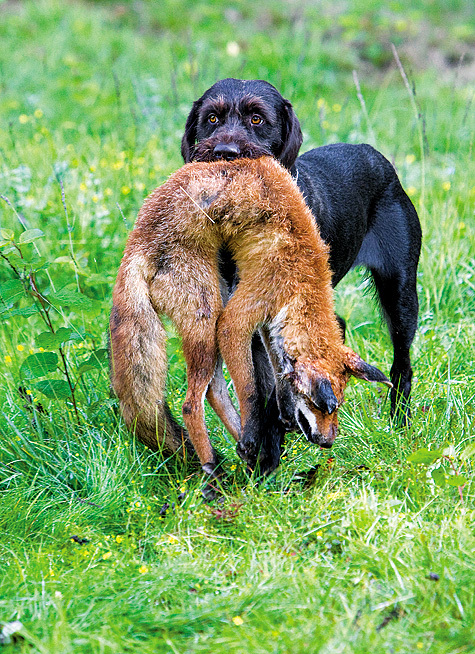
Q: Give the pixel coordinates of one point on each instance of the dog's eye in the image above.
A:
(213, 119)
(256, 119)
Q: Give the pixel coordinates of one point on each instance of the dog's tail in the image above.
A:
(138, 363)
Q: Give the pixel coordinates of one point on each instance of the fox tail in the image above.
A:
(138, 364)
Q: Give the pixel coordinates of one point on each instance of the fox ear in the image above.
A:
(358, 367)
(323, 396)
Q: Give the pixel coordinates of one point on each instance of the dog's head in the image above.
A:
(316, 392)
(240, 118)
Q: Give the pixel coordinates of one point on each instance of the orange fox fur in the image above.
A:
(170, 267)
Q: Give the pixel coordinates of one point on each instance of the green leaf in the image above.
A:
(38, 365)
(26, 311)
(29, 259)
(14, 258)
(423, 455)
(7, 234)
(50, 340)
(456, 480)
(12, 290)
(468, 452)
(85, 367)
(67, 298)
(101, 355)
(438, 475)
(30, 235)
(54, 388)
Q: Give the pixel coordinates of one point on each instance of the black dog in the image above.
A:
(359, 204)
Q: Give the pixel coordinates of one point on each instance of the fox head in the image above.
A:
(315, 392)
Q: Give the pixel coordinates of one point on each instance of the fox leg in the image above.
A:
(201, 357)
(189, 295)
(218, 397)
(236, 327)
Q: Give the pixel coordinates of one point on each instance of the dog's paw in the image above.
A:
(268, 462)
(247, 451)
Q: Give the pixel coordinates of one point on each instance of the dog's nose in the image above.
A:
(228, 151)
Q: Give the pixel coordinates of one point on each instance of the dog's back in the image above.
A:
(345, 185)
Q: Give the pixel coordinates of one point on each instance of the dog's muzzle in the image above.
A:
(216, 148)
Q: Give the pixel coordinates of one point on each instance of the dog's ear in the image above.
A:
(291, 136)
(189, 137)
(357, 367)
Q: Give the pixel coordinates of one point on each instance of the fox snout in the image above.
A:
(318, 428)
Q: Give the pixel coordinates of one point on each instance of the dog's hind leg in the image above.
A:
(398, 297)
(392, 257)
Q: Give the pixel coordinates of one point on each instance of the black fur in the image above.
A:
(357, 200)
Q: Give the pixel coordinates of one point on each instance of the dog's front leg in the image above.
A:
(274, 428)
(283, 394)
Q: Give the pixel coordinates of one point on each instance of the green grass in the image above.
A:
(368, 555)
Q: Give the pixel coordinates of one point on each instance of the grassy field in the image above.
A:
(373, 552)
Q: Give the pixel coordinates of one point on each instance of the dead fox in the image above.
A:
(170, 268)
